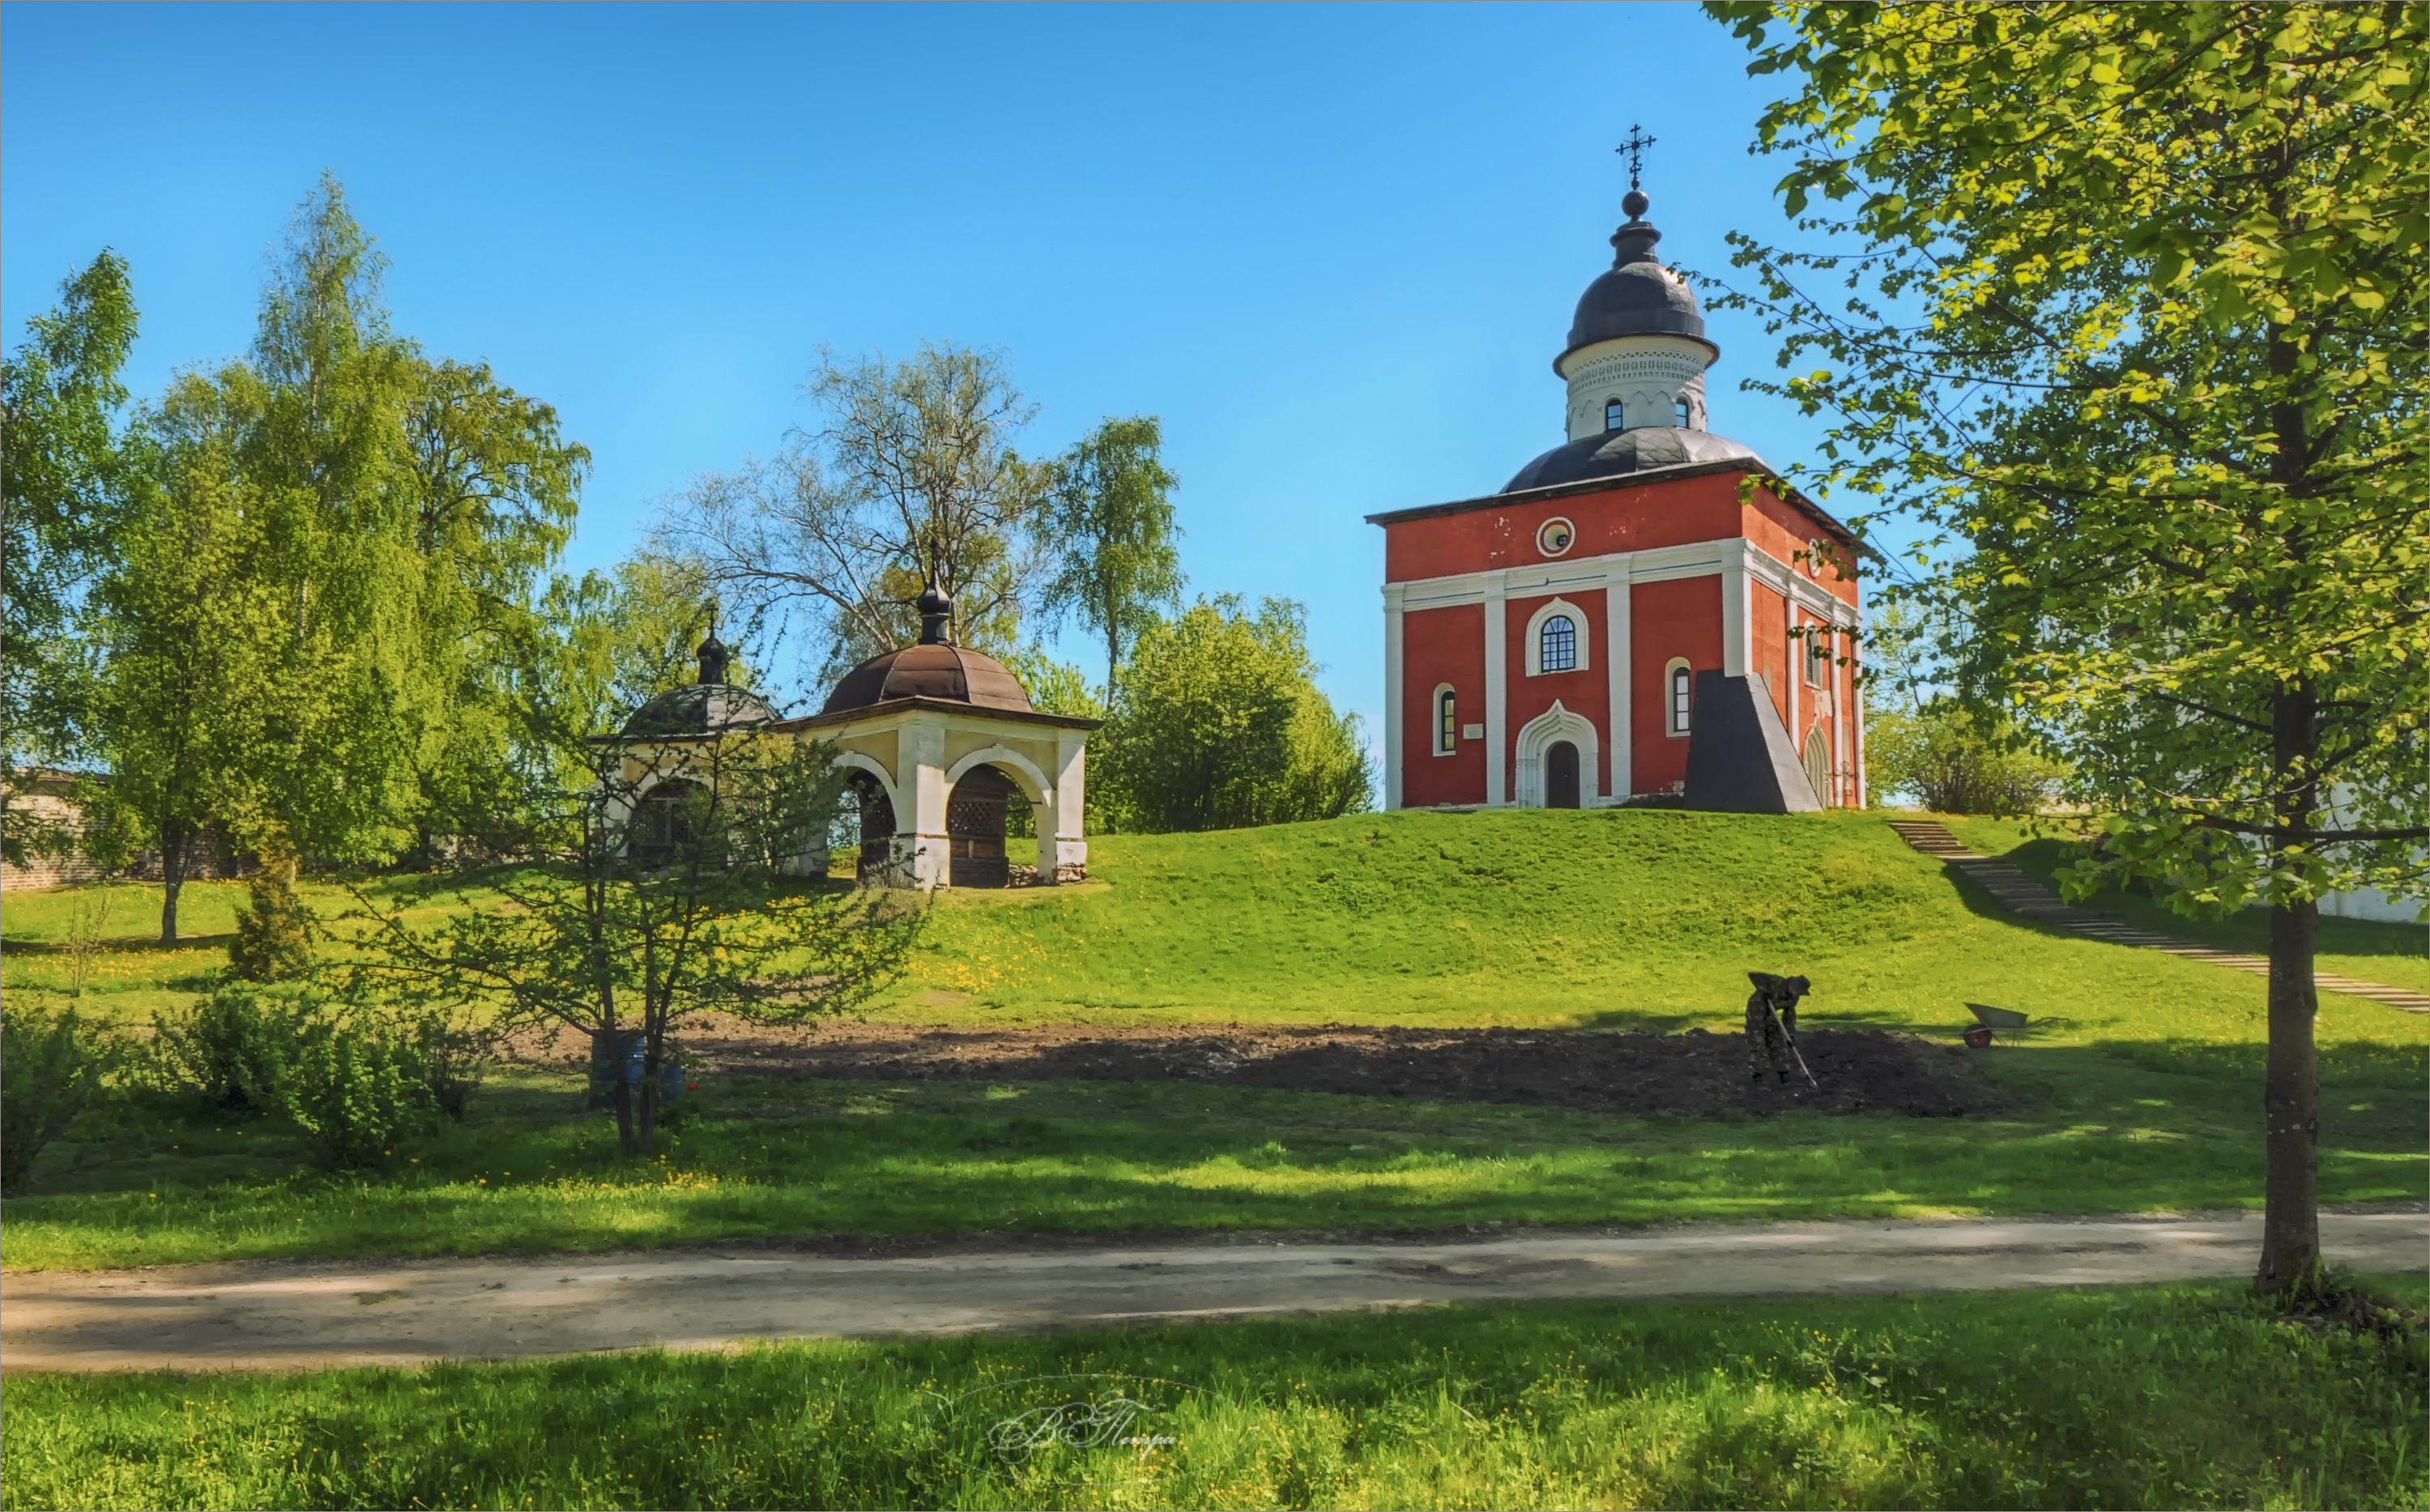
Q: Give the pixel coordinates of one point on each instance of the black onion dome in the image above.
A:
(929, 669)
(1630, 451)
(697, 708)
(1639, 297)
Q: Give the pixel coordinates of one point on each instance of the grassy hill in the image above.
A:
(2146, 1098)
(1601, 919)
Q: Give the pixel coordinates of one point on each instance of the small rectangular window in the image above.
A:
(1818, 660)
(1682, 691)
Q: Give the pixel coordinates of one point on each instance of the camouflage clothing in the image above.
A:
(1771, 1021)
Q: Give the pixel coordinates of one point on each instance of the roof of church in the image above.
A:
(1741, 460)
(938, 672)
(1617, 454)
(709, 704)
(1638, 296)
(696, 709)
(944, 673)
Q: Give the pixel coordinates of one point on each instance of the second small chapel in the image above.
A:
(1644, 609)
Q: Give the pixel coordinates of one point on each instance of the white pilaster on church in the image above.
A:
(1616, 653)
(1738, 615)
(1793, 655)
(1497, 694)
(1395, 697)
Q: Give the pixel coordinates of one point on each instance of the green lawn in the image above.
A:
(2187, 1396)
(2146, 1096)
(2117, 1127)
(2365, 950)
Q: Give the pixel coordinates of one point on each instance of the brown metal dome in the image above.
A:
(954, 673)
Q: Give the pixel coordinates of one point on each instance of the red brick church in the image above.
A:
(1565, 642)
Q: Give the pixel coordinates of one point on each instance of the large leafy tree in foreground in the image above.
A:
(2126, 300)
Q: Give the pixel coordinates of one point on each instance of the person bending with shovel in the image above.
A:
(1771, 1024)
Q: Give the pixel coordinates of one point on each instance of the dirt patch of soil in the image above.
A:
(1626, 1074)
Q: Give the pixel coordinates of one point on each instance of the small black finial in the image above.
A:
(935, 608)
(712, 653)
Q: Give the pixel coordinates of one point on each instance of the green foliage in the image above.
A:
(274, 934)
(1109, 523)
(320, 606)
(61, 480)
(2135, 322)
(51, 1065)
(617, 639)
(2183, 1395)
(661, 892)
(1218, 725)
(354, 1085)
(1942, 756)
(232, 1048)
(1055, 687)
(2131, 310)
(350, 1080)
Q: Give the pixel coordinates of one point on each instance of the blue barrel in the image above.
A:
(628, 1050)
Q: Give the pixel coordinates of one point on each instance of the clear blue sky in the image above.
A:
(1336, 248)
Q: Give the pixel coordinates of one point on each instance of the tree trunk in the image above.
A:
(2290, 1230)
(172, 877)
(2290, 1094)
(654, 1049)
(623, 1102)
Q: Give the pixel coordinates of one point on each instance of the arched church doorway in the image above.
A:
(1818, 767)
(668, 820)
(864, 828)
(974, 829)
(1560, 775)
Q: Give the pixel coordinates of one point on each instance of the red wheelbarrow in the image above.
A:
(1989, 1021)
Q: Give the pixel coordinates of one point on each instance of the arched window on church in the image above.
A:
(1685, 413)
(1611, 413)
(1682, 688)
(1558, 644)
(1446, 722)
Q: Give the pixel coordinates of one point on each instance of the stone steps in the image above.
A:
(2014, 889)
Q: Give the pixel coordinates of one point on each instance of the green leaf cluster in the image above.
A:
(311, 577)
(2125, 302)
(1109, 526)
(51, 1066)
(1218, 725)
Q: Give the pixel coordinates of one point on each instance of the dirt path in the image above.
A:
(281, 1316)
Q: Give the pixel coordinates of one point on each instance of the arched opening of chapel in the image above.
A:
(984, 811)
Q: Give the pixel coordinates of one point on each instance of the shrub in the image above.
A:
(1947, 761)
(356, 1085)
(231, 1047)
(273, 935)
(50, 1067)
(1218, 725)
(451, 1057)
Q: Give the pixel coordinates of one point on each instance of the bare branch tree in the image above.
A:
(911, 480)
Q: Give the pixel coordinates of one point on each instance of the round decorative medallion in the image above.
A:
(1555, 537)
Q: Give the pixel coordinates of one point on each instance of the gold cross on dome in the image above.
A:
(1634, 147)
